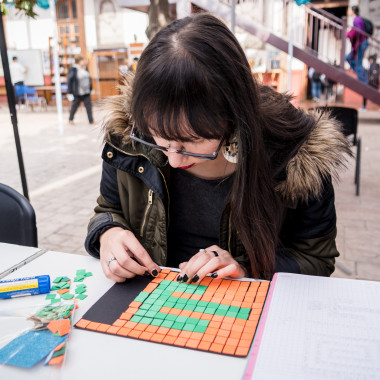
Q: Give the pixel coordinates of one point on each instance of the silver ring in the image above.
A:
(215, 253)
(203, 250)
(109, 261)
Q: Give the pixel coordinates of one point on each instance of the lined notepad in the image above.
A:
(318, 328)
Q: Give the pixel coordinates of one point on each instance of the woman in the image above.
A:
(206, 170)
(79, 84)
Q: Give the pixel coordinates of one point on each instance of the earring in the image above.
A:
(230, 150)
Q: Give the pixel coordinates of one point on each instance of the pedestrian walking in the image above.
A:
(79, 84)
(359, 45)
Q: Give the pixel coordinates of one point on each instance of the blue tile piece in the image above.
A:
(29, 348)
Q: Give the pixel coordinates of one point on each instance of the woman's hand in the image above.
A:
(213, 260)
(122, 256)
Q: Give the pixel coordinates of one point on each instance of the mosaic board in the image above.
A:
(216, 315)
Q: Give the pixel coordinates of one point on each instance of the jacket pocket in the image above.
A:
(146, 213)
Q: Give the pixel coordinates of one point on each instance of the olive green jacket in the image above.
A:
(134, 195)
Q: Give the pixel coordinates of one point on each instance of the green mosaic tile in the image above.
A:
(160, 316)
(181, 287)
(178, 325)
(200, 309)
(167, 323)
(140, 312)
(203, 322)
(220, 312)
(159, 303)
(188, 327)
(136, 319)
(181, 318)
(155, 307)
(200, 329)
(204, 304)
(150, 314)
(147, 321)
(193, 321)
(165, 283)
(232, 314)
(149, 301)
(144, 306)
(181, 301)
(192, 302)
(170, 317)
(234, 308)
(242, 315)
(210, 310)
(142, 296)
(156, 322)
(223, 307)
(169, 304)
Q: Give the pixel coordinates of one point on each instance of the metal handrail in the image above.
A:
(318, 19)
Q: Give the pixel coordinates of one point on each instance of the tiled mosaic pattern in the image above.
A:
(216, 315)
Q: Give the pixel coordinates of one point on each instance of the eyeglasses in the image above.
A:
(159, 147)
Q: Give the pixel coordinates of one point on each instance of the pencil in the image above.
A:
(22, 263)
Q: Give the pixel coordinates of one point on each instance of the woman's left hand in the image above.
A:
(213, 260)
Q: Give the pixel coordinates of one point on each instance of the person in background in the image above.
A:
(123, 68)
(359, 45)
(207, 170)
(18, 73)
(373, 74)
(316, 85)
(79, 84)
(133, 67)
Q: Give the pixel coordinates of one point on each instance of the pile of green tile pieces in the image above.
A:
(81, 275)
(148, 312)
(63, 282)
(79, 290)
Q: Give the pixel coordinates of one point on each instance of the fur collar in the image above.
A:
(321, 156)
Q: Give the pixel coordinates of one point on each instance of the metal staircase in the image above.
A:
(320, 41)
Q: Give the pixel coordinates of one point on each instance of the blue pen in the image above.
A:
(25, 286)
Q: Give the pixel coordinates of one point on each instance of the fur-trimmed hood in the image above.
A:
(322, 155)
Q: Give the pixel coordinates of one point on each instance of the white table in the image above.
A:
(92, 355)
(13, 254)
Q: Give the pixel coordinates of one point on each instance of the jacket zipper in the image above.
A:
(162, 175)
(229, 232)
(150, 202)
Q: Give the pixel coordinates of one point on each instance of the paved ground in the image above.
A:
(63, 174)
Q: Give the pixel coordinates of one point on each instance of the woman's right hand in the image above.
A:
(122, 256)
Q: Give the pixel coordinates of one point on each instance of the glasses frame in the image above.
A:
(162, 148)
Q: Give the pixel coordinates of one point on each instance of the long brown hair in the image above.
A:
(194, 76)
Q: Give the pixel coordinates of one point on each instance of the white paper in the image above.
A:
(321, 328)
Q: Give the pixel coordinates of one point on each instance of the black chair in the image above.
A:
(17, 218)
(349, 119)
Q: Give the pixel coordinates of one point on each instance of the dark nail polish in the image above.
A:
(146, 273)
(214, 275)
(185, 278)
(195, 278)
(179, 278)
(154, 272)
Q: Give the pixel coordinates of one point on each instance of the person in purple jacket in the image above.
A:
(359, 45)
